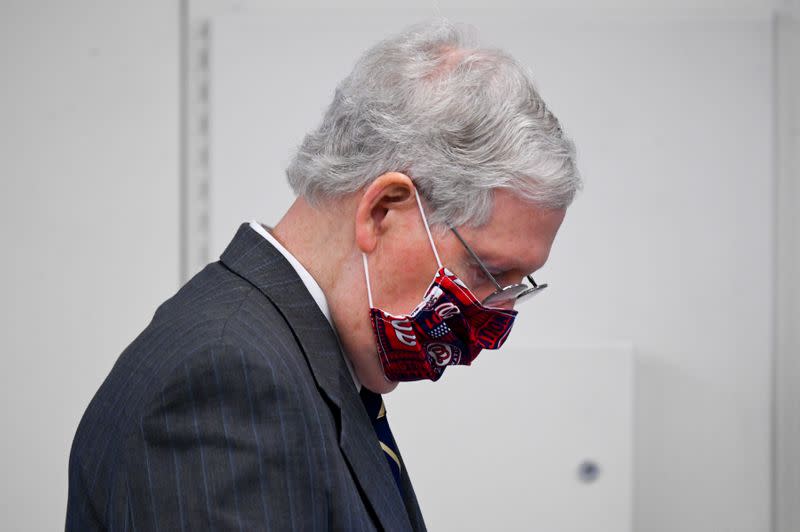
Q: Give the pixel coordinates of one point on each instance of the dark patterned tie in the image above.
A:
(377, 414)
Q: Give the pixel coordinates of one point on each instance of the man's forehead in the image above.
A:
(516, 219)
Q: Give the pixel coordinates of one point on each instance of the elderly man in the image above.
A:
(426, 198)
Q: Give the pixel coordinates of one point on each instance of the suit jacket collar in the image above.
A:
(252, 257)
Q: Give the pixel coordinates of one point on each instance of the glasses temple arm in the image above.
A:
(474, 256)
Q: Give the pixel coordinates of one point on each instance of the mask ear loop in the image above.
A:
(430, 239)
(366, 274)
(427, 229)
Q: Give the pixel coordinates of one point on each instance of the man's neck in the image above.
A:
(316, 239)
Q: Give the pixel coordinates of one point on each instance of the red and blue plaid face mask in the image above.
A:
(449, 326)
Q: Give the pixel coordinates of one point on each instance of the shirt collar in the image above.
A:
(311, 285)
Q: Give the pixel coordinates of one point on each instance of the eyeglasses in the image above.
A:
(511, 293)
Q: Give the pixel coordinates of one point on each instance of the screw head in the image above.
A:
(588, 471)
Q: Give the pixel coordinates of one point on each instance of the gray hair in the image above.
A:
(461, 121)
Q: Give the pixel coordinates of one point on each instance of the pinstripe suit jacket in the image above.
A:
(234, 410)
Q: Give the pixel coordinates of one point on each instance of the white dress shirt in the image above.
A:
(311, 285)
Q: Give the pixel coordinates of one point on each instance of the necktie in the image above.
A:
(377, 414)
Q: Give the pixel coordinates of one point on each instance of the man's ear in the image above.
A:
(389, 191)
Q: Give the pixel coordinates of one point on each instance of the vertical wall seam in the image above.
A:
(183, 230)
(786, 372)
(195, 144)
(773, 385)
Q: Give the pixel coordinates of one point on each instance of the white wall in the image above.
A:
(88, 220)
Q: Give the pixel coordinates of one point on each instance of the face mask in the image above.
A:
(449, 326)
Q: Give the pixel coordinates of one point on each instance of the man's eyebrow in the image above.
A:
(490, 262)
(502, 265)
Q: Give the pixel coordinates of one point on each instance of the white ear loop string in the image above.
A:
(366, 274)
(427, 229)
(430, 239)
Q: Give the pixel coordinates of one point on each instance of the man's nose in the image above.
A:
(508, 305)
(505, 305)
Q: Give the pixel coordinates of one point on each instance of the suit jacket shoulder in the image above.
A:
(232, 407)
